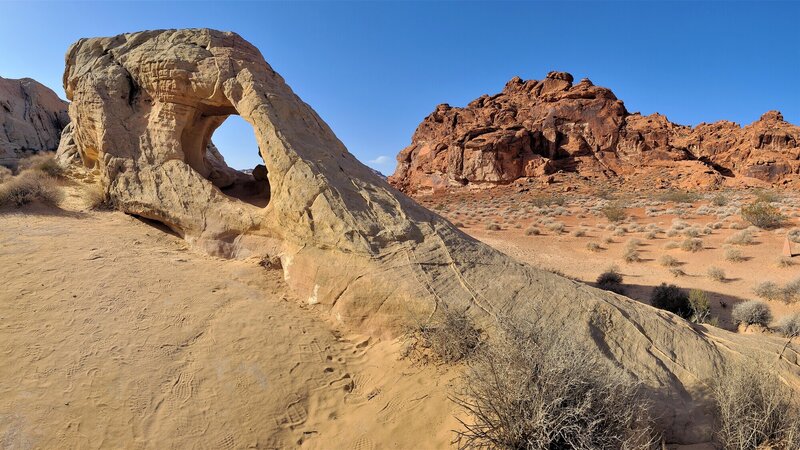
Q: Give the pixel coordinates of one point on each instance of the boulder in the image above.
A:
(144, 105)
(31, 119)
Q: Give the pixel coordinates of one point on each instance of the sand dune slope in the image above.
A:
(114, 335)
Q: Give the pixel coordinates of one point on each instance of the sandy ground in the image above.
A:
(114, 335)
(567, 253)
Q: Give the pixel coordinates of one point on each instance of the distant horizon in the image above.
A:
(375, 70)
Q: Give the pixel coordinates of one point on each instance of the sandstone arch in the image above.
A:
(346, 238)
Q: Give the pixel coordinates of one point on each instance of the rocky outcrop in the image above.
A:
(143, 107)
(31, 119)
(535, 128)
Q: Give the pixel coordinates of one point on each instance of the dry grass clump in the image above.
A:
(43, 162)
(493, 227)
(611, 280)
(743, 237)
(593, 247)
(532, 231)
(5, 174)
(532, 389)
(769, 290)
(631, 252)
(720, 200)
(448, 337)
(668, 261)
(692, 245)
(28, 187)
(677, 196)
(97, 199)
(766, 196)
(556, 227)
(785, 261)
(763, 215)
(716, 274)
(755, 409)
(677, 272)
(579, 233)
(671, 245)
(671, 298)
(734, 255)
(789, 325)
(614, 213)
(752, 312)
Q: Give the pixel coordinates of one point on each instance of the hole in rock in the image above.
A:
(222, 147)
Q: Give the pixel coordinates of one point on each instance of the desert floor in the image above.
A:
(569, 223)
(114, 334)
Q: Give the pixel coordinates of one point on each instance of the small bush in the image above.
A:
(752, 312)
(631, 255)
(556, 227)
(733, 255)
(579, 233)
(97, 199)
(789, 325)
(611, 280)
(768, 290)
(719, 200)
(677, 272)
(549, 200)
(450, 336)
(754, 409)
(785, 261)
(28, 187)
(743, 237)
(532, 389)
(532, 231)
(614, 213)
(763, 215)
(671, 298)
(716, 274)
(670, 245)
(692, 245)
(766, 196)
(677, 197)
(668, 261)
(493, 227)
(593, 247)
(701, 307)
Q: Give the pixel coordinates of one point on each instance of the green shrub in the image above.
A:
(763, 215)
(614, 213)
(701, 307)
(752, 312)
(671, 298)
(611, 280)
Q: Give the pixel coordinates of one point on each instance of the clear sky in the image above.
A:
(374, 70)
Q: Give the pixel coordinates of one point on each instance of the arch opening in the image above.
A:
(243, 174)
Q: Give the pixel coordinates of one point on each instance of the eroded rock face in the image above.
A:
(31, 119)
(143, 106)
(534, 128)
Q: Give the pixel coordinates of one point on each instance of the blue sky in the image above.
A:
(374, 70)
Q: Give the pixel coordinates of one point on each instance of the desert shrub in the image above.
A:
(754, 409)
(668, 261)
(611, 280)
(763, 195)
(579, 233)
(651, 234)
(691, 232)
(700, 305)
(768, 290)
(733, 255)
(677, 196)
(548, 200)
(692, 244)
(28, 187)
(791, 291)
(5, 174)
(540, 390)
(556, 227)
(785, 261)
(614, 213)
(670, 245)
(631, 255)
(493, 227)
(789, 325)
(449, 336)
(763, 215)
(532, 231)
(715, 273)
(752, 312)
(97, 199)
(743, 237)
(719, 200)
(677, 272)
(608, 240)
(43, 162)
(671, 298)
(593, 247)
